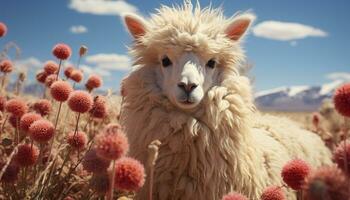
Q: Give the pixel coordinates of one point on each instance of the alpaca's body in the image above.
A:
(220, 145)
(237, 154)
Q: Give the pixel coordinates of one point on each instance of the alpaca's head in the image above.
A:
(188, 49)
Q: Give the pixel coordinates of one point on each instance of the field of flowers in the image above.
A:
(68, 144)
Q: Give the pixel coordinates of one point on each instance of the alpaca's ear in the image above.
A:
(135, 24)
(239, 26)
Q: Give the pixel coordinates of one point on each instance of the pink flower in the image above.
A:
(3, 29)
(111, 145)
(129, 174)
(234, 196)
(295, 172)
(273, 193)
(62, 51)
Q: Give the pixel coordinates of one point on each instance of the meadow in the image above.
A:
(68, 144)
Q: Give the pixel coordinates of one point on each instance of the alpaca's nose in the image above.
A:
(188, 88)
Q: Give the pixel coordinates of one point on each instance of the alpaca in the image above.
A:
(185, 90)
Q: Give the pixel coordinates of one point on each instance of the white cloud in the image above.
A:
(78, 29)
(344, 76)
(95, 70)
(110, 61)
(102, 7)
(28, 63)
(286, 31)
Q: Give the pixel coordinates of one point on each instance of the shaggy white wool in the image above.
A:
(223, 145)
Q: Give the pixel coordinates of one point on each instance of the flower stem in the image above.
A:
(56, 122)
(58, 71)
(345, 148)
(76, 126)
(111, 187)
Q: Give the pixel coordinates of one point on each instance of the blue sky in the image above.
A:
(313, 50)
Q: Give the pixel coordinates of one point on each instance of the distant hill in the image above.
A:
(295, 98)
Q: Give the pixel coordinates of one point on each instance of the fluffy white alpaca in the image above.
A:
(186, 91)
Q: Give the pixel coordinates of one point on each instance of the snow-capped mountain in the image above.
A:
(295, 98)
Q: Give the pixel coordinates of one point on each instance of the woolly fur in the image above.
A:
(223, 145)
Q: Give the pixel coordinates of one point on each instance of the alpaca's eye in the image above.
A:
(166, 61)
(211, 63)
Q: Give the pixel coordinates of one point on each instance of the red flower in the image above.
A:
(294, 173)
(234, 196)
(41, 76)
(93, 82)
(80, 101)
(41, 130)
(273, 193)
(78, 140)
(16, 107)
(26, 155)
(76, 75)
(93, 163)
(99, 108)
(3, 29)
(6, 66)
(328, 183)
(341, 100)
(82, 51)
(11, 173)
(50, 67)
(14, 121)
(60, 90)
(339, 155)
(68, 71)
(50, 79)
(62, 51)
(111, 145)
(129, 174)
(42, 106)
(2, 103)
(27, 120)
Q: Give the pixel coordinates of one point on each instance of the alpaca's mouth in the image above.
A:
(187, 102)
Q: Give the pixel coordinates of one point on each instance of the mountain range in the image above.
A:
(295, 98)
